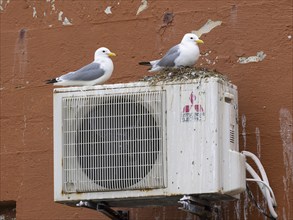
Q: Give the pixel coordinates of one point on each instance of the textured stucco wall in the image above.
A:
(43, 39)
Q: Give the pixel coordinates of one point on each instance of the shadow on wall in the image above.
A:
(8, 210)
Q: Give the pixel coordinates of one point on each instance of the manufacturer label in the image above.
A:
(193, 110)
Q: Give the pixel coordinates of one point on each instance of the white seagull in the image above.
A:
(97, 72)
(184, 54)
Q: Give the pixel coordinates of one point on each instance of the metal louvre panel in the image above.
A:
(113, 142)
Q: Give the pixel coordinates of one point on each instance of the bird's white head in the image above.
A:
(103, 52)
(191, 38)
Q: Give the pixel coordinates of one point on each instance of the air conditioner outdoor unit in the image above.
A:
(137, 144)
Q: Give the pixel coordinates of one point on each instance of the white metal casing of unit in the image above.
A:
(194, 147)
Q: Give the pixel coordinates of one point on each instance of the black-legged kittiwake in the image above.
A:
(97, 72)
(184, 54)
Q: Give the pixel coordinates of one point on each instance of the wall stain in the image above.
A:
(258, 146)
(4, 4)
(143, 6)
(243, 123)
(35, 12)
(108, 10)
(260, 56)
(207, 27)
(259, 199)
(168, 18)
(247, 208)
(286, 131)
(20, 58)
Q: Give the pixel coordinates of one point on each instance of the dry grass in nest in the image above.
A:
(182, 74)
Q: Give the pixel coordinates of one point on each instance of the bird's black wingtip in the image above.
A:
(145, 63)
(50, 81)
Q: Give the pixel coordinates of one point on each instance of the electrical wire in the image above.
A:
(262, 172)
(252, 198)
(266, 185)
(259, 181)
(262, 182)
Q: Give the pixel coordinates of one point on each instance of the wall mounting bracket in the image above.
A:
(105, 209)
(196, 206)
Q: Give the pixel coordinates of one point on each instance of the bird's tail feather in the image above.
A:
(49, 81)
(145, 63)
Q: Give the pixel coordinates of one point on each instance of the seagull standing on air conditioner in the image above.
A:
(184, 54)
(97, 72)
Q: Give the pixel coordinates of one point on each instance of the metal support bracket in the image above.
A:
(105, 209)
(196, 206)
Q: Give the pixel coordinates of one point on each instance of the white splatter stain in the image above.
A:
(108, 10)
(66, 22)
(252, 59)
(237, 209)
(286, 131)
(34, 12)
(245, 206)
(143, 6)
(259, 198)
(289, 37)
(284, 214)
(3, 5)
(60, 16)
(209, 61)
(24, 130)
(258, 146)
(207, 27)
(243, 123)
(245, 199)
(53, 5)
(54, 11)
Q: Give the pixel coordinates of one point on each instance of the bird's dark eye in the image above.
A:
(104, 51)
(191, 37)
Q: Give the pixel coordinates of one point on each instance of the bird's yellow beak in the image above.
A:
(199, 41)
(111, 54)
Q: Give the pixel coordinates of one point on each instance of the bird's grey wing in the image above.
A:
(169, 59)
(87, 73)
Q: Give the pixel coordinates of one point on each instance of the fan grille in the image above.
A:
(113, 142)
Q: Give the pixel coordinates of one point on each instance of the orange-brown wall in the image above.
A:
(36, 46)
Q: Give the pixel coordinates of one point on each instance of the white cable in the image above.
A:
(259, 165)
(267, 192)
(261, 186)
(256, 176)
(262, 182)
(261, 169)
(270, 202)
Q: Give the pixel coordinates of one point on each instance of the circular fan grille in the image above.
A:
(117, 142)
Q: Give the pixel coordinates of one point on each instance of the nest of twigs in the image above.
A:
(182, 74)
